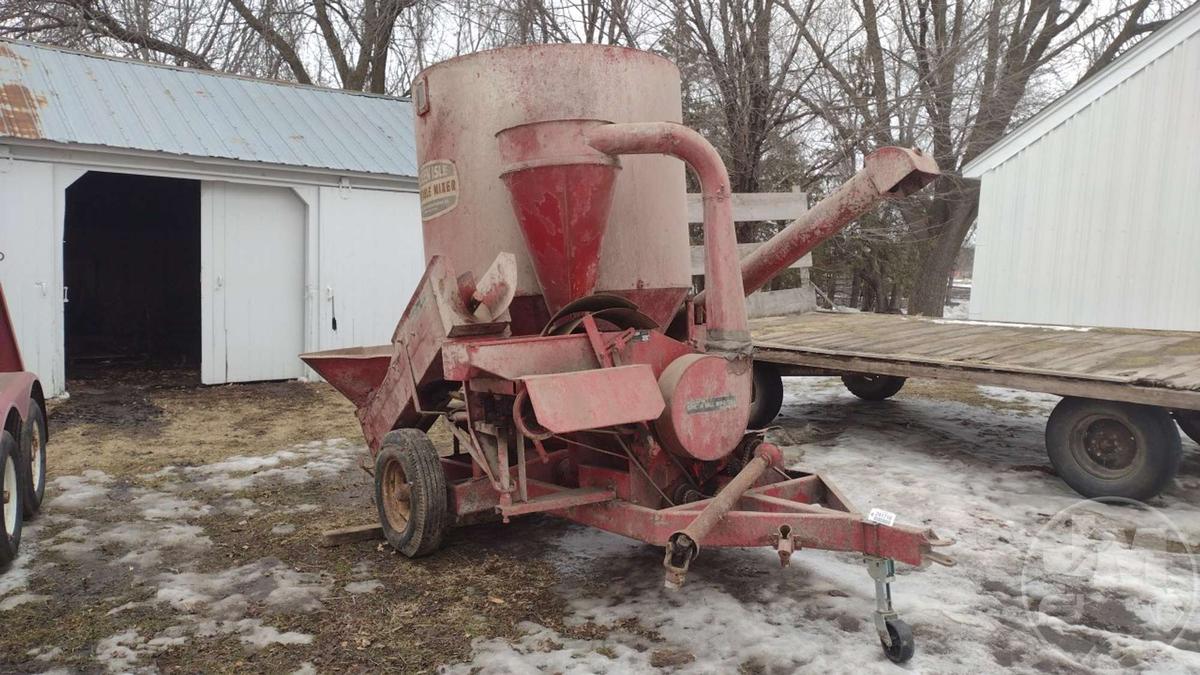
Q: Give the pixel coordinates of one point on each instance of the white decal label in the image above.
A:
(438, 181)
(704, 405)
(882, 517)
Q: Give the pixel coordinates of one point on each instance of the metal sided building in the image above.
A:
(1090, 211)
(176, 217)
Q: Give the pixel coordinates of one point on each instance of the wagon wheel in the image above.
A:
(33, 457)
(1189, 421)
(766, 397)
(410, 493)
(873, 387)
(10, 499)
(1113, 449)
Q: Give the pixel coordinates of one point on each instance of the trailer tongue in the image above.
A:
(581, 383)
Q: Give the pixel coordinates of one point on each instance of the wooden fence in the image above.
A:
(764, 206)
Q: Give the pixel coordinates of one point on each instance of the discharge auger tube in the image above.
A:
(728, 329)
(888, 173)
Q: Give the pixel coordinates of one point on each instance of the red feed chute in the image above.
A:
(561, 195)
(554, 336)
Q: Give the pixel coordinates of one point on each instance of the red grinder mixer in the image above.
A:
(555, 334)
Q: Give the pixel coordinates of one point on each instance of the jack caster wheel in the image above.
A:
(410, 493)
(902, 647)
(873, 387)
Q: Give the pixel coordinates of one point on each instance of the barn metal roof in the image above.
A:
(69, 97)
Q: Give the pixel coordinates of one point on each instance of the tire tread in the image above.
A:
(423, 470)
(1165, 450)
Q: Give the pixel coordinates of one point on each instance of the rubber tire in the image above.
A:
(35, 486)
(429, 517)
(10, 545)
(767, 397)
(873, 387)
(1189, 422)
(1159, 448)
(903, 647)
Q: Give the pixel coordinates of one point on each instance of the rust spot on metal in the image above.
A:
(6, 52)
(20, 111)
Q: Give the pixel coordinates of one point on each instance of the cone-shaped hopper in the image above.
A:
(561, 191)
(354, 371)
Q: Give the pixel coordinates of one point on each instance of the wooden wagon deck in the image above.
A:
(1139, 366)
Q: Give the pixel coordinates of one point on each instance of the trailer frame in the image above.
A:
(1150, 374)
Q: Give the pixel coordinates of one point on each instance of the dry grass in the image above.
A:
(484, 582)
(137, 422)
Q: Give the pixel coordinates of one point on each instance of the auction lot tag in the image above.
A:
(882, 517)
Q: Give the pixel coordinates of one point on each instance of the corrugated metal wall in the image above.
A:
(1098, 222)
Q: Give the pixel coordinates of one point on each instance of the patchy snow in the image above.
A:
(368, 586)
(129, 651)
(15, 579)
(1032, 398)
(254, 633)
(149, 535)
(45, 653)
(72, 493)
(156, 505)
(957, 310)
(1044, 580)
(296, 465)
(225, 594)
(19, 599)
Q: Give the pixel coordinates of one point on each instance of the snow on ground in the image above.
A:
(144, 532)
(1035, 400)
(958, 310)
(1043, 581)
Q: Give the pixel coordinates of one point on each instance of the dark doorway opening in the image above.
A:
(131, 265)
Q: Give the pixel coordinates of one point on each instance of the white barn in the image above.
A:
(151, 212)
(1090, 212)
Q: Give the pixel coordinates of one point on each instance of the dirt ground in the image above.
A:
(181, 534)
(135, 421)
(120, 432)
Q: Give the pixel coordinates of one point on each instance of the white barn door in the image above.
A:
(372, 257)
(31, 271)
(252, 286)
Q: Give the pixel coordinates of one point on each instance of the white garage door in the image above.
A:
(252, 288)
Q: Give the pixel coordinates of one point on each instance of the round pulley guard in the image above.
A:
(708, 405)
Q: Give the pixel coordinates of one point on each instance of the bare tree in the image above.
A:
(288, 39)
(793, 91)
(951, 76)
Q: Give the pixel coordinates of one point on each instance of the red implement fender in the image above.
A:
(10, 353)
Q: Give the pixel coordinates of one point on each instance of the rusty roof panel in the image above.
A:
(63, 96)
